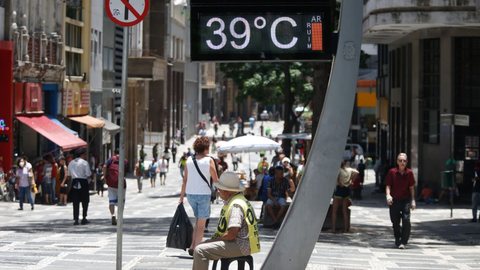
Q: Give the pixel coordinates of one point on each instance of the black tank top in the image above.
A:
(62, 172)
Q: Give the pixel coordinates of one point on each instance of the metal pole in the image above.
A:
(293, 246)
(121, 170)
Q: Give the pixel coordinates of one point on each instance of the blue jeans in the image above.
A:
(53, 189)
(200, 205)
(475, 204)
(25, 191)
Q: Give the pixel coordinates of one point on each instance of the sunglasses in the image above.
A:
(402, 160)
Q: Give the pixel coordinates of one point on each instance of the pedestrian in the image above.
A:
(224, 136)
(63, 179)
(235, 161)
(182, 163)
(277, 193)
(400, 195)
(139, 170)
(111, 172)
(287, 169)
(231, 127)
(341, 196)
(24, 181)
(47, 183)
(174, 151)
(237, 231)
(100, 179)
(189, 152)
(198, 191)
(263, 166)
(251, 120)
(356, 158)
(239, 126)
(476, 192)
(80, 173)
(155, 151)
(277, 159)
(162, 168)
(357, 184)
(38, 176)
(152, 172)
(167, 155)
(215, 127)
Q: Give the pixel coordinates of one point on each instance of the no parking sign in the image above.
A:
(127, 12)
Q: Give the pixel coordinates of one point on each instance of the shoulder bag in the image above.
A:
(213, 193)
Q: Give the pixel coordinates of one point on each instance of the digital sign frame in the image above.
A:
(263, 30)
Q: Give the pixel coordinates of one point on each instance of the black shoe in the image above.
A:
(190, 251)
(114, 220)
(397, 242)
(20, 209)
(85, 221)
(76, 222)
(473, 220)
(32, 207)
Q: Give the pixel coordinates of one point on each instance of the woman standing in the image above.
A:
(199, 167)
(62, 171)
(341, 197)
(24, 181)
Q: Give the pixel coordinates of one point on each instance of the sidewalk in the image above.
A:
(46, 239)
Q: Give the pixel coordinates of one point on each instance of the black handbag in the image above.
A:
(181, 230)
(213, 193)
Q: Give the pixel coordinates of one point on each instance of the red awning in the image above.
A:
(48, 129)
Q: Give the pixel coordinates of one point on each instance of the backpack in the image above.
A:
(112, 172)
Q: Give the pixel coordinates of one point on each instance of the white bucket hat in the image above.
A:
(229, 181)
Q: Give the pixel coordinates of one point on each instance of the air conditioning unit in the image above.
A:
(33, 98)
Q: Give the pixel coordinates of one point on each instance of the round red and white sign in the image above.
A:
(126, 12)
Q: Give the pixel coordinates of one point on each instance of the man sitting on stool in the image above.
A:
(237, 230)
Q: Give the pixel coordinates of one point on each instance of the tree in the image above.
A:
(287, 83)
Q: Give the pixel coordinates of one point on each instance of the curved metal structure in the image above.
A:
(296, 238)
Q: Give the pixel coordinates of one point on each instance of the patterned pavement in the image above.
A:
(46, 239)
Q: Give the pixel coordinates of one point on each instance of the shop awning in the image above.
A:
(60, 124)
(88, 120)
(48, 129)
(110, 126)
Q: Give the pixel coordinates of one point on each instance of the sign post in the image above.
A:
(124, 13)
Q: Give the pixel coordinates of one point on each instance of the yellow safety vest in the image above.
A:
(250, 218)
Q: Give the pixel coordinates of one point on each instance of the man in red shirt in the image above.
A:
(400, 193)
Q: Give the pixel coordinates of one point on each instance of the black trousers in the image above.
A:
(400, 212)
(80, 195)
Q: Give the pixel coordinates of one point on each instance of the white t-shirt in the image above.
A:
(195, 184)
(79, 168)
(22, 173)
(162, 165)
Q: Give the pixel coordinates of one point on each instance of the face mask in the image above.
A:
(21, 164)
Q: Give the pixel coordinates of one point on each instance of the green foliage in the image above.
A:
(265, 82)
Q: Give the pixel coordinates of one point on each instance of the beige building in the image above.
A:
(428, 69)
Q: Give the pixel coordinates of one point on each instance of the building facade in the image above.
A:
(428, 53)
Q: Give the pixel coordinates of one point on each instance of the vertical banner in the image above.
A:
(6, 105)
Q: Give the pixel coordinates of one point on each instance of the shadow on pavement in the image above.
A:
(432, 233)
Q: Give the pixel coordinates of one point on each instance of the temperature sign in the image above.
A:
(253, 35)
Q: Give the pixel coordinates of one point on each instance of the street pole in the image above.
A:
(121, 170)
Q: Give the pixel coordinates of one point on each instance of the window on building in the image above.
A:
(108, 59)
(73, 64)
(73, 54)
(74, 9)
(467, 74)
(431, 90)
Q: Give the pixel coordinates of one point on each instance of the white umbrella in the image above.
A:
(248, 143)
